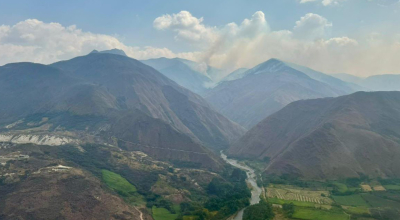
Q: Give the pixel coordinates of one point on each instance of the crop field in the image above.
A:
(317, 214)
(292, 194)
(392, 187)
(356, 210)
(351, 200)
(377, 201)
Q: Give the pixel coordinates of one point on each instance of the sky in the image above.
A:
(359, 37)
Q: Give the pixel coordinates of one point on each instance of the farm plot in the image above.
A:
(298, 195)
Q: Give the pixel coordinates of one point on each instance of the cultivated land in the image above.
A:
(295, 194)
(337, 200)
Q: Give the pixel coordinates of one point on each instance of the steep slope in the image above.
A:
(237, 74)
(138, 86)
(330, 138)
(186, 73)
(327, 79)
(26, 87)
(66, 194)
(264, 90)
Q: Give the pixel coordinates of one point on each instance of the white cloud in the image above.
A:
(35, 41)
(187, 27)
(231, 46)
(311, 26)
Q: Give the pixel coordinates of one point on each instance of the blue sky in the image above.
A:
(131, 22)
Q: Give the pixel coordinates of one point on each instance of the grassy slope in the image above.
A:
(164, 214)
(121, 186)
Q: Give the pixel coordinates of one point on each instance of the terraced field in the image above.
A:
(294, 194)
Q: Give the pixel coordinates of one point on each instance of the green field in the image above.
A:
(296, 203)
(357, 210)
(392, 187)
(121, 186)
(164, 214)
(376, 201)
(117, 183)
(317, 214)
(351, 200)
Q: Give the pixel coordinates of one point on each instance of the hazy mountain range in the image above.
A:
(270, 86)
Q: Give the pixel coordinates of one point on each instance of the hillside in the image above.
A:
(267, 88)
(100, 97)
(138, 86)
(348, 136)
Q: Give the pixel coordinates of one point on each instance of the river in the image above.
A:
(251, 179)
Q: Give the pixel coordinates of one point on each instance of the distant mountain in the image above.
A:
(188, 74)
(330, 138)
(103, 96)
(270, 86)
(237, 74)
(348, 77)
(112, 51)
(388, 82)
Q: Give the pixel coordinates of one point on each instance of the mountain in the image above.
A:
(197, 77)
(138, 86)
(267, 88)
(186, 73)
(237, 74)
(348, 77)
(388, 82)
(385, 82)
(329, 138)
(114, 99)
(112, 51)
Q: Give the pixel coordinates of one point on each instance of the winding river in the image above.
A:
(251, 179)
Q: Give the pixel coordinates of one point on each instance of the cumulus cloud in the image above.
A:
(35, 41)
(311, 26)
(187, 27)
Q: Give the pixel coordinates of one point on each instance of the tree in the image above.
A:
(261, 211)
(288, 209)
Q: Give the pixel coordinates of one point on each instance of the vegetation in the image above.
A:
(164, 214)
(261, 211)
(117, 183)
(296, 203)
(351, 200)
(318, 214)
(121, 186)
(288, 209)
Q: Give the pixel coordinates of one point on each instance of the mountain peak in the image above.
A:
(272, 65)
(112, 51)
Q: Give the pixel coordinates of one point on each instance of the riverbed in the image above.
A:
(251, 179)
